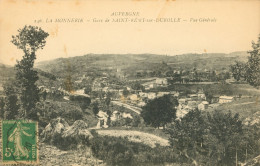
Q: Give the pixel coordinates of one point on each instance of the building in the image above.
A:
(161, 81)
(160, 94)
(134, 98)
(182, 101)
(225, 99)
(203, 106)
(143, 94)
(102, 120)
(115, 116)
(151, 95)
(127, 115)
(194, 97)
(201, 95)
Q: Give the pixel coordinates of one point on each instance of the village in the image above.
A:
(133, 94)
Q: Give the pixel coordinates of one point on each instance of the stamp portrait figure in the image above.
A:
(16, 137)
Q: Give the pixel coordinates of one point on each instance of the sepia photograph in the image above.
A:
(130, 83)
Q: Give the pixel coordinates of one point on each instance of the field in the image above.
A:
(245, 107)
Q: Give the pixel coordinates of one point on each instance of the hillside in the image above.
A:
(130, 63)
(8, 72)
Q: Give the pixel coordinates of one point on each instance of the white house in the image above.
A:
(143, 94)
(151, 95)
(127, 115)
(225, 99)
(201, 95)
(161, 81)
(203, 105)
(160, 94)
(181, 101)
(102, 120)
(115, 116)
(194, 97)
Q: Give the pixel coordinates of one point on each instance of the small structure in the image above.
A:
(201, 95)
(161, 81)
(102, 120)
(192, 104)
(194, 97)
(143, 94)
(134, 98)
(225, 99)
(127, 115)
(160, 94)
(115, 116)
(141, 104)
(203, 106)
(182, 101)
(215, 99)
(151, 95)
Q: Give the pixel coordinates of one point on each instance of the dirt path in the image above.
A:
(136, 136)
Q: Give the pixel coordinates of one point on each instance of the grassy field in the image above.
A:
(136, 136)
(245, 107)
(219, 89)
(149, 130)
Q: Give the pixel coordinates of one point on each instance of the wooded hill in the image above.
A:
(135, 62)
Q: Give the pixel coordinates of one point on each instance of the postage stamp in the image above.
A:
(19, 142)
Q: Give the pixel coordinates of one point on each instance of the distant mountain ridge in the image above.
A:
(135, 62)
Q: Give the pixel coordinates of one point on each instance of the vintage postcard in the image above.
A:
(133, 82)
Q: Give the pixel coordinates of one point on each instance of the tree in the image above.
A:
(188, 136)
(88, 89)
(11, 102)
(125, 92)
(95, 108)
(249, 71)
(238, 70)
(217, 138)
(2, 105)
(137, 86)
(160, 111)
(228, 131)
(29, 40)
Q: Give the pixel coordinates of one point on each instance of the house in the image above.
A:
(215, 99)
(181, 113)
(174, 93)
(143, 94)
(225, 99)
(203, 106)
(192, 104)
(127, 115)
(134, 98)
(182, 101)
(201, 95)
(102, 119)
(105, 89)
(151, 95)
(161, 81)
(141, 104)
(194, 97)
(152, 85)
(160, 94)
(115, 116)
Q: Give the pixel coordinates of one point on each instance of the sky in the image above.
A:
(234, 25)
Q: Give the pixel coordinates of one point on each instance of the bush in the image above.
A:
(120, 151)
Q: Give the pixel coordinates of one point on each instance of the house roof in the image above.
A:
(226, 97)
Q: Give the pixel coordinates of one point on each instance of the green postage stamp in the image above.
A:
(19, 142)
